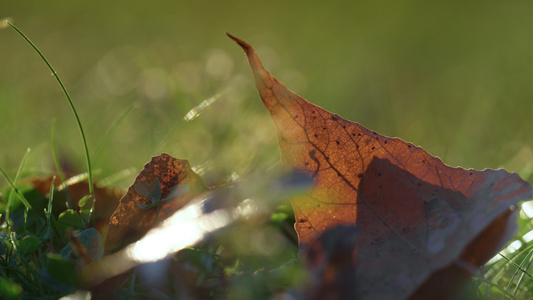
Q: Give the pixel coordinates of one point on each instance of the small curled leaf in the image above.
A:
(165, 182)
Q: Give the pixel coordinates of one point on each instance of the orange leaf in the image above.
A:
(176, 185)
(414, 214)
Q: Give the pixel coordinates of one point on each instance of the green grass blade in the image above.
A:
(524, 261)
(13, 185)
(55, 156)
(111, 129)
(58, 164)
(113, 178)
(21, 166)
(498, 270)
(499, 288)
(16, 181)
(49, 213)
(88, 160)
(516, 266)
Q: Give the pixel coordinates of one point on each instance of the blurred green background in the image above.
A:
(451, 76)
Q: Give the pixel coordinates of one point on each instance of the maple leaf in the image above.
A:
(416, 217)
(164, 186)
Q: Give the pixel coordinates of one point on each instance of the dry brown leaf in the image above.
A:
(414, 214)
(164, 179)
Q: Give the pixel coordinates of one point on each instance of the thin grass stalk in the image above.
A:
(16, 190)
(49, 213)
(14, 185)
(57, 164)
(65, 92)
(110, 130)
(518, 269)
(517, 266)
(523, 274)
(500, 271)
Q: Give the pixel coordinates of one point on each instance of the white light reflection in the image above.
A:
(78, 295)
(183, 229)
(245, 209)
(514, 246)
(195, 112)
(494, 259)
(72, 181)
(527, 208)
(528, 236)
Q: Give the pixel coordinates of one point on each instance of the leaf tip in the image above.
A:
(260, 73)
(245, 46)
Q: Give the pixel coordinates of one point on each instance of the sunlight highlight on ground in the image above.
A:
(183, 229)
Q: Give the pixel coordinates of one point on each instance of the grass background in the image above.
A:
(453, 77)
